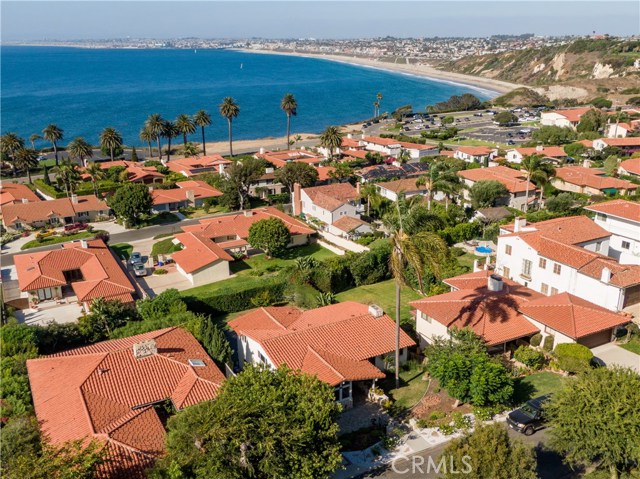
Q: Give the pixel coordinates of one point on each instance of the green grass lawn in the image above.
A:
(470, 142)
(58, 239)
(467, 259)
(384, 295)
(123, 250)
(633, 345)
(536, 385)
(411, 389)
(160, 219)
(165, 246)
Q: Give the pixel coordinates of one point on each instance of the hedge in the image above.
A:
(48, 189)
(529, 357)
(573, 357)
(104, 186)
(547, 344)
(535, 340)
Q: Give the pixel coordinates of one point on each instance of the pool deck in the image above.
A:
(470, 247)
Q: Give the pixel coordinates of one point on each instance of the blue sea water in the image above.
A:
(85, 90)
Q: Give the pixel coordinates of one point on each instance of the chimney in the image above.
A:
(191, 196)
(150, 189)
(519, 224)
(262, 150)
(487, 263)
(144, 349)
(84, 244)
(25, 200)
(605, 275)
(539, 149)
(494, 283)
(269, 170)
(303, 148)
(74, 199)
(475, 266)
(296, 200)
(586, 164)
(248, 213)
(375, 311)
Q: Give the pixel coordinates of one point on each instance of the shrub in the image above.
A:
(535, 340)
(334, 276)
(460, 421)
(486, 413)
(160, 271)
(530, 357)
(547, 344)
(573, 357)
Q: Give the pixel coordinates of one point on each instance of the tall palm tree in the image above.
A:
(79, 148)
(376, 107)
(53, 133)
(186, 126)
(33, 138)
(331, 139)
(432, 180)
(202, 119)
(25, 159)
(378, 100)
(68, 175)
(155, 124)
(169, 131)
(290, 106)
(10, 144)
(230, 110)
(415, 246)
(147, 136)
(537, 170)
(111, 140)
(96, 173)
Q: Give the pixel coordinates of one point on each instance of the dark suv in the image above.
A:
(530, 417)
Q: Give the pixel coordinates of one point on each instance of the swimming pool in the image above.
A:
(483, 249)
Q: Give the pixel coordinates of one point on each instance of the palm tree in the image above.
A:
(68, 175)
(202, 119)
(33, 138)
(415, 246)
(186, 126)
(189, 150)
(290, 106)
(25, 159)
(169, 131)
(376, 106)
(54, 134)
(378, 100)
(230, 110)
(403, 155)
(155, 124)
(96, 173)
(80, 149)
(10, 144)
(537, 170)
(331, 138)
(147, 136)
(111, 140)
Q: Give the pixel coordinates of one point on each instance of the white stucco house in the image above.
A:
(327, 203)
(563, 118)
(621, 218)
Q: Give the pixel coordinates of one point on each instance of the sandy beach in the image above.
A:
(487, 85)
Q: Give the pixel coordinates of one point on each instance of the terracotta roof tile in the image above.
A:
(591, 177)
(42, 210)
(198, 251)
(407, 185)
(550, 151)
(348, 223)
(632, 166)
(475, 150)
(574, 114)
(627, 141)
(13, 193)
(281, 158)
(629, 210)
(514, 180)
(195, 165)
(333, 196)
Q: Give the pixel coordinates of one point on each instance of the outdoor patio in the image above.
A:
(50, 312)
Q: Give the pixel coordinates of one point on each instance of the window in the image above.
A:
(262, 358)
(507, 249)
(601, 216)
(626, 245)
(557, 268)
(544, 289)
(342, 391)
(542, 263)
(426, 317)
(83, 214)
(526, 268)
(554, 291)
(506, 272)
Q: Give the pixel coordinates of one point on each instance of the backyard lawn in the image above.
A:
(165, 246)
(412, 387)
(123, 250)
(467, 260)
(537, 384)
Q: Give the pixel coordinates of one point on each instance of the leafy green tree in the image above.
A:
(202, 119)
(457, 103)
(80, 149)
(490, 383)
(111, 141)
(561, 203)
(611, 165)
(601, 102)
(574, 150)
(270, 235)
(331, 139)
(373, 158)
(554, 135)
(20, 437)
(290, 106)
(25, 159)
(104, 317)
(593, 120)
(54, 134)
(131, 202)
(229, 109)
(242, 174)
(609, 438)
(134, 154)
(167, 303)
(186, 126)
(45, 175)
(341, 171)
(448, 120)
(486, 193)
(215, 342)
(297, 172)
(505, 118)
(264, 424)
(488, 452)
(573, 357)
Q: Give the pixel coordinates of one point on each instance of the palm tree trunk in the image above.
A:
(613, 470)
(230, 139)
(526, 195)
(397, 362)
(159, 149)
(288, 129)
(29, 174)
(55, 152)
(169, 149)
(150, 152)
(184, 139)
(204, 148)
(111, 152)
(95, 187)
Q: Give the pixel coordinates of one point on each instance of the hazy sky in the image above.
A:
(37, 20)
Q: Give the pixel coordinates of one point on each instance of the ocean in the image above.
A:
(85, 90)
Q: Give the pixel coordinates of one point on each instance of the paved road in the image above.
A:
(550, 465)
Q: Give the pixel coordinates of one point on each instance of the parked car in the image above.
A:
(135, 258)
(45, 233)
(76, 226)
(511, 142)
(530, 417)
(477, 114)
(139, 269)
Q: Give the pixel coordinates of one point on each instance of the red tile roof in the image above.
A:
(103, 392)
(627, 141)
(514, 180)
(195, 165)
(493, 315)
(550, 151)
(572, 316)
(334, 342)
(281, 158)
(43, 210)
(591, 177)
(323, 172)
(12, 193)
(587, 143)
(348, 223)
(103, 276)
(629, 210)
(376, 140)
(361, 154)
(198, 251)
(475, 150)
(200, 190)
(574, 114)
(333, 196)
(632, 166)
(350, 143)
(568, 230)
(417, 146)
(407, 185)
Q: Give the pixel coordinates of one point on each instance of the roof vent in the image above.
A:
(25, 200)
(248, 213)
(144, 349)
(375, 311)
(494, 282)
(196, 363)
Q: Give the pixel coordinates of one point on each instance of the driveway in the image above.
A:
(612, 354)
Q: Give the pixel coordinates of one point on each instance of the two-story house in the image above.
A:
(621, 218)
(515, 182)
(327, 203)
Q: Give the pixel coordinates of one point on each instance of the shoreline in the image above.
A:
(489, 86)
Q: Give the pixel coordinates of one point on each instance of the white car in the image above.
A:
(139, 269)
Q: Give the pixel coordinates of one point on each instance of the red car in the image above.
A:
(76, 227)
